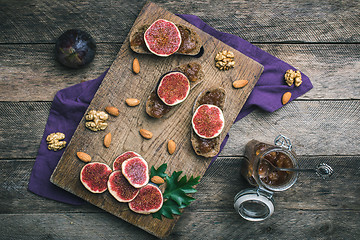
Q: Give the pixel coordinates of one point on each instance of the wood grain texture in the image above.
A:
(293, 224)
(36, 76)
(324, 202)
(315, 128)
(120, 81)
(274, 21)
(216, 190)
(320, 38)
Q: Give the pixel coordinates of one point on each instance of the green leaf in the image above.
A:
(168, 209)
(177, 189)
(159, 172)
(175, 194)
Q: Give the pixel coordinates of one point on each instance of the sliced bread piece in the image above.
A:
(208, 147)
(155, 107)
(191, 43)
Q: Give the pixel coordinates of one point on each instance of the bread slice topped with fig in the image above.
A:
(208, 122)
(173, 88)
(164, 38)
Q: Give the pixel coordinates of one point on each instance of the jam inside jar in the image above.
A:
(258, 170)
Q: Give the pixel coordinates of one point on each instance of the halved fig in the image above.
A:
(136, 171)
(120, 188)
(149, 200)
(94, 176)
(162, 38)
(208, 121)
(174, 87)
(120, 159)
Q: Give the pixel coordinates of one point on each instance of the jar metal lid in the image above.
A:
(254, 204)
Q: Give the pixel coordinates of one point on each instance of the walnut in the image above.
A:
(292, 76)
(96, 120)
(53, 141)
(224, 60)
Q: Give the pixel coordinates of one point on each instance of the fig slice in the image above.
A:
(149, 200)
(208, 121)
(174, 87)
(120, 159)
(162, 38)
(136, 171)
(120, 188)
(94, 176)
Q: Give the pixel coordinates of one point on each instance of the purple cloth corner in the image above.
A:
(70, 104)
(67, 109)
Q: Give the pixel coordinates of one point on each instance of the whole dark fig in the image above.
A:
(75, 48)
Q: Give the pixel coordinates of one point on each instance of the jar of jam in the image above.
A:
(258, 169)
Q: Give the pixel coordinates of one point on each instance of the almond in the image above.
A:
(240, 83)
(107, 140)
(136, 66)
(146, 133)
(132, 102)
(83, 157)
(171, 146)
(286, 98)
(157, 180)
(112, 111)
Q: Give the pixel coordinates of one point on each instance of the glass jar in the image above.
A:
(257, 204)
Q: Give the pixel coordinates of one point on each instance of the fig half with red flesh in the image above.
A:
(120, 188)
(149, 200)
(94, 176)
(136, 171)
(120, 159)
(174, 87)
(208, 121)
(162, 38)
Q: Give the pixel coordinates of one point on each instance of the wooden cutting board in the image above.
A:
(121, 83)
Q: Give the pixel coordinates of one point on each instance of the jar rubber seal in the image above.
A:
(254, 204)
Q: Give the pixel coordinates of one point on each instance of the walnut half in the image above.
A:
(224, 60)
(53, 141)
(292, 76)
(96, 120)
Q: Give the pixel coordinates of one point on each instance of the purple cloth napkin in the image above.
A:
(70, 104)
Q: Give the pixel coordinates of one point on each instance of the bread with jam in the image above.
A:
(190, 41)
(208, 147)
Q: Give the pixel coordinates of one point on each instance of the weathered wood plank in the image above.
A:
(216, 191)
(291, 224)
(315, 128)
(334, 210)
(321, 130)
(256, 21)
(36, 76)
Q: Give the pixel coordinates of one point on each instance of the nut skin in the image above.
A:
(146, 133)
(132, 102)
(113, 111)
(292, 76)
(224, 60)
(286, 98)
(240, 83)
(84, 157)
(171, 146)
(136, 66)
(107, 140)
(96, 120)
(157, 180)
(54, 141)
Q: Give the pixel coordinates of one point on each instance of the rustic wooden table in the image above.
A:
(321, 39)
